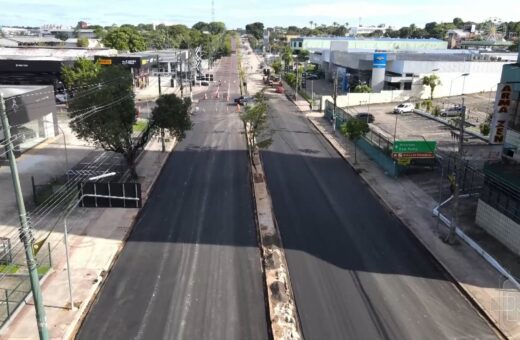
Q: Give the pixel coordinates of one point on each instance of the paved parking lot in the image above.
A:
(410, 126)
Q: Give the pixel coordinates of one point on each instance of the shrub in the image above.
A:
(484, 129)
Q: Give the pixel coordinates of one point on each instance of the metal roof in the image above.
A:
(16, 90)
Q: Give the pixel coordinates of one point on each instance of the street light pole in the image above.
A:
(41, 319)
(64, 144)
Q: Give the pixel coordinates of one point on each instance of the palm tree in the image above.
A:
(335, 24)
(432, 81)
(311, 23)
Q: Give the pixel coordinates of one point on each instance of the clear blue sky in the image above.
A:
(238, 13)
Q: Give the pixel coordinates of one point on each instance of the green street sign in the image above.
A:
(414, 146)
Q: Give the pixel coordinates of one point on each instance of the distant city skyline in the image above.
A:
(237, 14)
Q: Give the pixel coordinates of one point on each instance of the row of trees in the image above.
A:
(103, 111)
(144, 37)
(430, 30)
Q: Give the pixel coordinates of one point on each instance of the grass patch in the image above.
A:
(140, 125)
(8, 268)
(42, 270)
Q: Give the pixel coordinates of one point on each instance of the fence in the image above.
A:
(374, 144)
(15, 284)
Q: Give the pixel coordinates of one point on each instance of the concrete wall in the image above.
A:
(451, 84)
(500, 226)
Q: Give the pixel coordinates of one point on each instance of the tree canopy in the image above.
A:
(256, 29)
(171, 114)
(102, 110)
(125, 39)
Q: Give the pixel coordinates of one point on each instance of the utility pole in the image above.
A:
(159, 75)
(296, 87)
(450, 239)
(335, 97)
(189, 71)
(41, 319)
(180, 76)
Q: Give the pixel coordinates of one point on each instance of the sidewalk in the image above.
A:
(96, 236)
(486, 287)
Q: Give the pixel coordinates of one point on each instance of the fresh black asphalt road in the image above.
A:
(191, 268)
(357, 273)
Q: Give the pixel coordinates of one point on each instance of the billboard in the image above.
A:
(500, 117)
(379, 60)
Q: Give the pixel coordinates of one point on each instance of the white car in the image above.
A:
(404, 107)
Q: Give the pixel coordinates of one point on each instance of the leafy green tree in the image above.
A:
(256, 29)
(61, 35)
(82, 42)
(354, 129)
(277, 65)
(125, 39)
(291, 79)
(255, 119)
(216, 27)
(79, 74)
(171, 114)
(362, 88)
(201, 26)
(303, 55)
(105, 117)
(458, 22)
(432, 81)
(287, 56)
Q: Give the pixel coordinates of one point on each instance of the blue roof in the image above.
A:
(369, 39)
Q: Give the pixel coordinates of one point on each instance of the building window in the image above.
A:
(409, 74)
(300, 44)
(408, 85)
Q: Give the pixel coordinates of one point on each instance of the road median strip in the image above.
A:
(282, 309)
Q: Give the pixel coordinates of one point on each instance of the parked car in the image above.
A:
(367, 117)
(312, 76)
(204, 83)
(62, 98)
(404, 107)
(452, 111)
(243, 99)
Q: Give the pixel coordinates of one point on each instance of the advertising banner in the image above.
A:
(500, 117)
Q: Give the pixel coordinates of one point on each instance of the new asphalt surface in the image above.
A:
(191, 268)
(357, 272)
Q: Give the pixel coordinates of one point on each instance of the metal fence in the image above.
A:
(374, 144)
(15, 284)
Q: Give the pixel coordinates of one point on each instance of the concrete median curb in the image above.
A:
(283, 315)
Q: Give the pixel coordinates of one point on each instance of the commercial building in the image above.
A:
(350, 43)
(360, 30)
(40, 66)
(139, 64)
(21, 41)
(498, 210)
(400, 64)
(32, 115)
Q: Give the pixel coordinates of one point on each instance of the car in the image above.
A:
(312, 76)
(367, 117)
(404, 107)
(62, 98)
(204, 83)
(243, 99)
(454, 111)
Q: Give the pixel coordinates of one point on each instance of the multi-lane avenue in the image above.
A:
(191, 268)
(357, 273)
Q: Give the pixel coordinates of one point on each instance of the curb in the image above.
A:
(282, 312)
(465, 293)
(95, 289)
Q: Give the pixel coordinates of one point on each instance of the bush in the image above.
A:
(427, 105)
(436, 111)
(484, 129)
